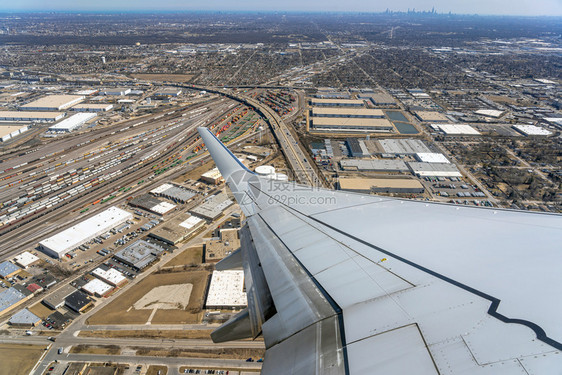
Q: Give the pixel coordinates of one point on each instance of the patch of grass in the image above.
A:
(153, 370)
(19, 359)
(90, 349)
(193, 255)
(224, 353)
(152, 333)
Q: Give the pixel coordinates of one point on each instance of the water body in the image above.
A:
(405, 128)
(396, 116)
(401, 122)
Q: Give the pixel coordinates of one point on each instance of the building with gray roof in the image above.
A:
(403, 146)
(8, 269)
(139, 254)
(374, 165)
(213, 207)
(24, 318)
(10, 298)
(174, 193)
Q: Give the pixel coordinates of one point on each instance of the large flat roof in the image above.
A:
(374, 165)
(54, 101)
(227, 289)
(403, 146)
(5, 130)
(87, 229)
(431, 116)
(343, 111)
(73, 121)
(351, 122)
(368, 183)
(434, 169)
(29, 115)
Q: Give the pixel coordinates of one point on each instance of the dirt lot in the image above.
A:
(195, 174)
(90, 349)
(41, 310)
(19, 359)
(193, 255)
(224, 353)
(164, 77)
(153, 370)
(120, 311)
(152, 333)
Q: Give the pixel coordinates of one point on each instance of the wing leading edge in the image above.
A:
(430, 288)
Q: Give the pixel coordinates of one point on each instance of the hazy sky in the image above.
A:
(507, 7)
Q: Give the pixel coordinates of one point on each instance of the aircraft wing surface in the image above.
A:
(344, 283)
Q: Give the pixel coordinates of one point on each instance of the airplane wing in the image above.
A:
(344, 283)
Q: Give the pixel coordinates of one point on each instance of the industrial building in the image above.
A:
(494, 113)
(374, 165)
(226, 290)
(96, 287)
(24, 319)
(69, 239)
(73, 122)
(455, 129)
(56, 299)
(329, 102)
(78, 301)
(8, 269)
(379, 99)
(381, 185)
(431, 157)
(359, 112)
(110, 276)
(11, 298)
(152, 204)
(30, 116)
(169, 91)
(178, 229)
(139, 254)
(118, 91)
(8, 132)
(530, 130)
(422, 169)
(25, 259)
(403, 146)
(229, 241)
(431, 116)
(357, 148)
(53, 103)
(174, 193)
(213, 206)
(212, 177)
(349, 125)
(94, 107)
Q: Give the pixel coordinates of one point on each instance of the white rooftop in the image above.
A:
(162, 188)
(96, 286)
(489, 112)
(87, 229)
(456, 129)
(532, 130)
(25, 259)
(73, 121)
(163, 208)
(227, 289)
(432, 157)
(111, 275)
(191, 222)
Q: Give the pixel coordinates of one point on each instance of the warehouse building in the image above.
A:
(139, 254)
(357, 148)
(178, 229)
(30, 116)
(8, 270)
(422, 169)
(228, 242)
(213, 207)
(431, 157)
(61, 243)
(11, 298)
(152, 204)
(78, 301)
(349, 125)
(73, 122)
(24, 319)
(53, 103)
(25, 259)
(346, 112)
(381, 185)
(8, 132)
(403, 146)
(431, 116)
(118, 91)
(96, 287)
(110, 276)
(56, 299)
(328, 102)
(92, 107)
(455, 129)
(174, 193)
(494, 113)
(531, 130)
(374, 165)
(169, 91)
(226, 290)
(378, 99)
(212, 177)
